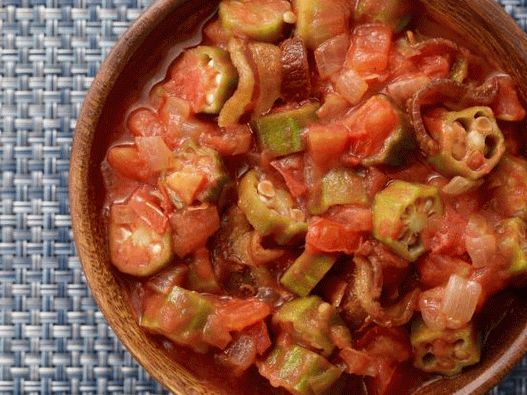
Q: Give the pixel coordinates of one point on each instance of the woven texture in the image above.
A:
(53, 339)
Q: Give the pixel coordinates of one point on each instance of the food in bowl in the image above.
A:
(324, 192)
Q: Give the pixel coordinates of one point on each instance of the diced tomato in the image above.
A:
(192, 227)
(201, 275)
(154, 152)
(370, 49)
(145, 206)
(291, 168)
(370, 125)
(164, 281)
(260, 336)
(391, 344)
(233, 140)
(125, 159)
(358, 362)
(327, 236)
(238, 314)
(375, 181)
(145, 122)
(326, 143)
(445, 234)
(174, 113)
(355, 217)
(239, 355)
(186, 184)
(507, 105)
(435, 270)
(191, 80)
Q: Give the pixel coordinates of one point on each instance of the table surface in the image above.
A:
(53, 339)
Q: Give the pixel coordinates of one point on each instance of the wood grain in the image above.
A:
(481, 22)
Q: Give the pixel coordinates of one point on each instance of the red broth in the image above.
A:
(305, 210)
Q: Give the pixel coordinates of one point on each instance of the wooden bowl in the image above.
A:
(136, 58)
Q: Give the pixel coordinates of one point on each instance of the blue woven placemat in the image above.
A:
(53, 339)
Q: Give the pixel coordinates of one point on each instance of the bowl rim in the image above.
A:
(84, 134)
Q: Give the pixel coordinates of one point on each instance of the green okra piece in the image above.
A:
(280, 133)
(215, 62)
(193, 311)
(320, 20)
(401, 212)
(471, 143)
(299, 370)
(199, 167)
(445, 351)
(306, 272)
(269, 210)
(338, 186)
(513, 244)
(312, 321)
(397, 145)
(257, 20)
(394, 13)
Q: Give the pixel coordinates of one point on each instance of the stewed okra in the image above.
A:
(322, 193)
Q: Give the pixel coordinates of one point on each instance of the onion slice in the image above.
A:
(460, 301)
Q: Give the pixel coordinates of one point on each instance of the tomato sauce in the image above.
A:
(308, 201)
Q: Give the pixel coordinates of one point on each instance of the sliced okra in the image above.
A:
(471, 143)
(445, 351)
(270, 210)
(400, 214)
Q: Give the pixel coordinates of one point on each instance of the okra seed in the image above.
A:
(289, 17)
(211, 63)
(156, 248)
(266, 188)
(218, 79)
(483, 124)
(210, 98)
(476, 141)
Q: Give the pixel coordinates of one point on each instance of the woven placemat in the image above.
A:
(53, 339)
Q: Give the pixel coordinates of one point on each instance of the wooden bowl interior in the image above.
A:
(139, 58)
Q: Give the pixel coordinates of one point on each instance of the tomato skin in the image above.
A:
(233, 140)
(192, 227)
(356, 218)
(435, 270)
(327, 236)
(507, 105)
(291, 168)
(326, 143)
(144, 205)
(127, 161)
(370, 49)
(370, 125)
(445, 235)
(144, 122)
